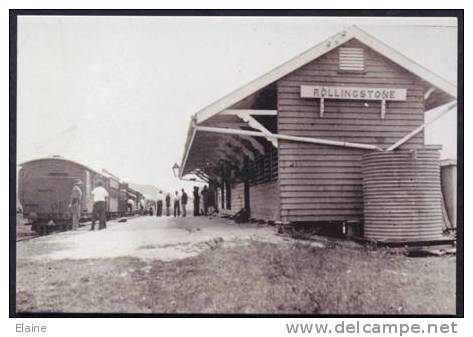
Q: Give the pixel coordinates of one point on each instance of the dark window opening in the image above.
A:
(59, 174)
(265, 167)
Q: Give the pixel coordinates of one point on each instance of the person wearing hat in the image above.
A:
(76, 198)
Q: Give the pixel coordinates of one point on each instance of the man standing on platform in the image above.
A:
(196, 201)
(205, 198)
(142, 206)
(130, 205)
(177, 208)
(100, 196)
(168, 204)
(184, 202)
(76, 199)
(159, 204)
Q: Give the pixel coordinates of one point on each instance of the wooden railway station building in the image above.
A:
(289, 145)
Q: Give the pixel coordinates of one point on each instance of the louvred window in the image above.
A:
(351, 59)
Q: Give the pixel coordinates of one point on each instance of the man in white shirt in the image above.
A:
(177, 208)
(100, 197)
(131, 205)
(142, 206)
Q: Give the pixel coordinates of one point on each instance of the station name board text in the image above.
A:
(353, 93)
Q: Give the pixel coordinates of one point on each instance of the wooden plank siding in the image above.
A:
(264, 201)
(324, 183)
(238, 197)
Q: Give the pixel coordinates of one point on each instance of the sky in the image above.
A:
(118, 92)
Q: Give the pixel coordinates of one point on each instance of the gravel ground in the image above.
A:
(202, 265)
(164, 238)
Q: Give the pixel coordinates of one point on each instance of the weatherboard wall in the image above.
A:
(324, 183)
(264, 200)
(238, 195)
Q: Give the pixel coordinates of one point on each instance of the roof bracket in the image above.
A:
(428, 93)
(421, 127)
(255, 144)
(252, 122)
(234, 143)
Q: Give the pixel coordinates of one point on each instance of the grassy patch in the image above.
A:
(258, 278)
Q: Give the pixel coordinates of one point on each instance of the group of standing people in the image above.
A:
(179, 201)
(100, 197)
(201, 201)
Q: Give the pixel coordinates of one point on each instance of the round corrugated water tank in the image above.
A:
(448, 178)
(402, 196)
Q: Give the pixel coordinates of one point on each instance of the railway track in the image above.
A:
(25, 235)
(22, 235)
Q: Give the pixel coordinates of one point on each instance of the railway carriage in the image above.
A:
(44, 192)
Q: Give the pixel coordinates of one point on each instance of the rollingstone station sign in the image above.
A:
(353, 93)
(356, 93)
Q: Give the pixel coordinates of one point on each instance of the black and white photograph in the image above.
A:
(236, 164)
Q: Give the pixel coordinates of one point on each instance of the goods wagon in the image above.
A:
(44, 191)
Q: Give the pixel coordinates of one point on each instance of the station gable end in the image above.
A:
(322, 183)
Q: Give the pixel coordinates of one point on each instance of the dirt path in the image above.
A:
(161, 238)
